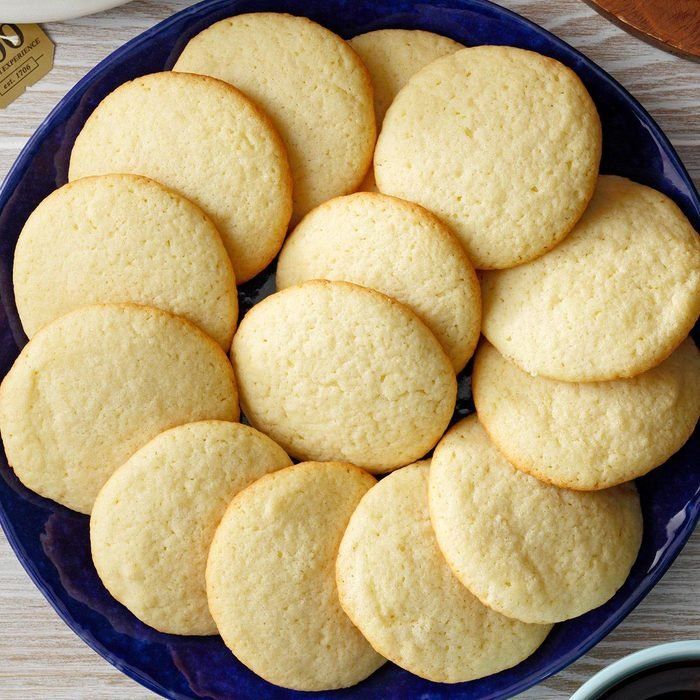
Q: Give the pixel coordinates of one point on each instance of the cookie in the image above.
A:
(97, 384)
(310, 82)
(335, 371)
(271, 584)
(593, 435)
(501, 143)
(397, 248)
(204, 139)
(123, 238)
(154, 519)
(396, 587)
(392, 56)
(615, 299)
(527, 549)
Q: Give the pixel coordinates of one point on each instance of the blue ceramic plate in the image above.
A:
(52, 542)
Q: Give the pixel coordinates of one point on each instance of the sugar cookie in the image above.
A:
(207, 141)
(123, 238)
(588, 435)
(310, 82)
(271, 584)
(95, 385)
(526, 549)
(154, 519)
(503, 144)
(334, 371)
(397, 248)
(616, 298)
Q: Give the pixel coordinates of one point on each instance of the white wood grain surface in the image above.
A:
(39, 656)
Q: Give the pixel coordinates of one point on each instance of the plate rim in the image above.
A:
(15, 172)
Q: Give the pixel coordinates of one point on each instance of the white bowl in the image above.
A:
(634, 663)
(31, 11)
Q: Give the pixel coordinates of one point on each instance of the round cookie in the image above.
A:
(95, 385)
(527, 549)
(501, 143)
(590, 435)
(392, 56)
(271, 584)
(397, 248)
(334, 371)
(396, 587)
(121, 238)
(204, 139)
(321, 102)
(154, 519)
(614, 299)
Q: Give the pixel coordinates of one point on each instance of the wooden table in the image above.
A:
(39, 656)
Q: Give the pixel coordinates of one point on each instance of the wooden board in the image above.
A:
(40, 657)
(673, 25)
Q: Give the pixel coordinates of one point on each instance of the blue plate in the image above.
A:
(52, 542)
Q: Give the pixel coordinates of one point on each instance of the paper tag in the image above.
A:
(26, 55)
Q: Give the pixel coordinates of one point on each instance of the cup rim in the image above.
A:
(638, 661)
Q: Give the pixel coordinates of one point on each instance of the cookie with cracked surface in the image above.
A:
(613, 300)
(95, 385)
(588, 435)
(501, 143)
(123, 238)
(528, 550)
(335, 371)
(205, 140)
(271, 584)
(154, 519)
(397, 248)
(321, 102)
(395, 585)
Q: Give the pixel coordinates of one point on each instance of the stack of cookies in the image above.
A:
(257, 147)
